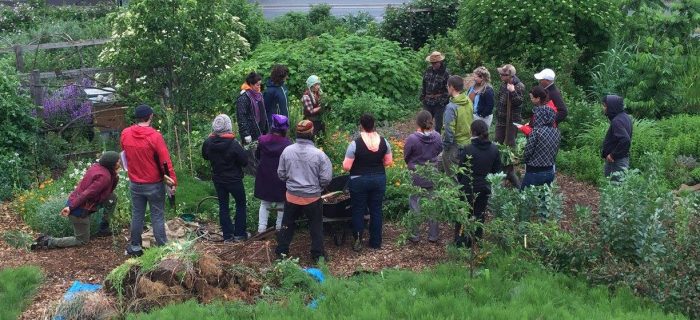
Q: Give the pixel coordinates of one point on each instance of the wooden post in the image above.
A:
(19, 58)
(35, 87)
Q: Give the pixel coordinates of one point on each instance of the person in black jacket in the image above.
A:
(618, 139)
(227, 159)
(546, 78)
(484, 158)
(433, 95)
(250, 110)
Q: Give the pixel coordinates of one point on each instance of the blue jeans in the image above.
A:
(537, 178)
(367, 192)
(237, 190)
(152, 194)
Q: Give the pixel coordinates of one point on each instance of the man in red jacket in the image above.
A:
(146, 157)
(94, 192)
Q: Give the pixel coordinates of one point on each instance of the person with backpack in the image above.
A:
(422, 148)
(227, 159)
(250, 110)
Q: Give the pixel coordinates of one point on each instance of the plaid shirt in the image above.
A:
(310, 105)
(435, 82)
(543, 143)
(516, 102)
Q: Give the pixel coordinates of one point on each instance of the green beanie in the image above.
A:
(109, 159)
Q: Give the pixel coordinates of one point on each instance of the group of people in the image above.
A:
(291, 177)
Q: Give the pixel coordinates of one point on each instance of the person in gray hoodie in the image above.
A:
(306, 171)
(422, 148)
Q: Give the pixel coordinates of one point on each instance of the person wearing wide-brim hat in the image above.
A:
(434, 96)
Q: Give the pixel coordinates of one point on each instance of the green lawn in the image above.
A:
(513, 289)
(17, 286)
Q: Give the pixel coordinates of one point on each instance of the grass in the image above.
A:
(191, 191)
(512, 289)
(17, 287)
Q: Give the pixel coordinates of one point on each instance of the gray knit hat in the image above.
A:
(222, 124)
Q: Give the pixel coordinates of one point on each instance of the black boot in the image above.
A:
(42, 242)
(357, 242)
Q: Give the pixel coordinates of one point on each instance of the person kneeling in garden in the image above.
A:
(306, 170)
(95, 192)
(227, 159)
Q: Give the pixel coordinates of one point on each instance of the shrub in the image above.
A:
(17, 133)
(349, 111)
(174, 58)
(561, 35)
(299, 26)
(251, 16)
(536, 203)
(47, 220)
(411, 24)
(17, 286)
(347, 65)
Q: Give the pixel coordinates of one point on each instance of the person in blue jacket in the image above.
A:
(275, 95)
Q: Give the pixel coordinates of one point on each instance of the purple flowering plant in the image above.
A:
(68, 103)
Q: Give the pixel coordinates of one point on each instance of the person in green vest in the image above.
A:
(459, 115)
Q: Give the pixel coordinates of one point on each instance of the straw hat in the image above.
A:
(436, 56)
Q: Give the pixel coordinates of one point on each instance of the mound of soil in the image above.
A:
(175, 280)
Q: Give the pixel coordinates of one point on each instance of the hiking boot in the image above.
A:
(41, 242)
(357, 242)
(133, 254)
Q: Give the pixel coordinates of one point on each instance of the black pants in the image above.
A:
(313, 212)
(438, 112)
(479, 212)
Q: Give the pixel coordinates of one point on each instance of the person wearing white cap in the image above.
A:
(546, 78)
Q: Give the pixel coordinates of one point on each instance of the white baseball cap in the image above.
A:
(546, 74)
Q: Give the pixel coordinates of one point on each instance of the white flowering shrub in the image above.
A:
(177, 44)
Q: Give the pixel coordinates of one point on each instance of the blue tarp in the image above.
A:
(78, 287)
(317, 274)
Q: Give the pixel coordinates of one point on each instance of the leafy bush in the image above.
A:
(349, 111)
(561, 35)
(47, 220)
(18, 131)
(17, 286)
(461, 57)
(182, 53)
(251, 16)
(299, 25)
(412, 23)
(347, 65)
(536, 203)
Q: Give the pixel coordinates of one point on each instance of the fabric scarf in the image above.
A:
(257, 100)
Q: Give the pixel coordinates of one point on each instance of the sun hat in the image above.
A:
(435, 56)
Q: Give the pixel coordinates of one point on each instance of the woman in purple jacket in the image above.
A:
(268, 187)
(422, 147)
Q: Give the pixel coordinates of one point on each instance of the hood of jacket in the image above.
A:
(460, 100)
(428, 137)
(270, 84)
(615, 105)
(139, 132)
(544, 116)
